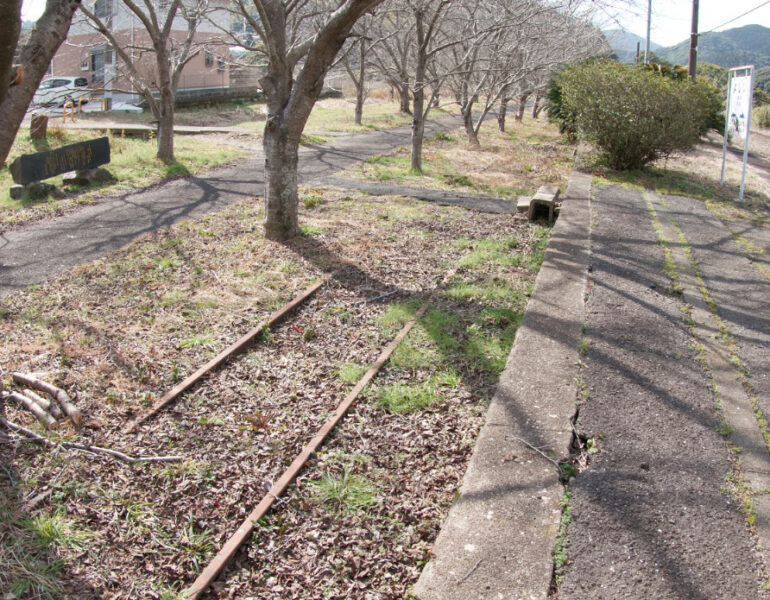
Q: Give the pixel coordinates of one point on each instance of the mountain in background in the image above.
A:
(623, 44)
(749, 45)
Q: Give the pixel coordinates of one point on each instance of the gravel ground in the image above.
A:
(649, 517)
(360, 521)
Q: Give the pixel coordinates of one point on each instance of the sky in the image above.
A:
(670, 18)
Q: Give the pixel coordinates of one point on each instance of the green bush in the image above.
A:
(761, 117)
(635, 115)
(557, 112)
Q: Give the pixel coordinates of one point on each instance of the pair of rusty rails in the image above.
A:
(214, 568)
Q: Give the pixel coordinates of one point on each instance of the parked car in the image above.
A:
(56, 91)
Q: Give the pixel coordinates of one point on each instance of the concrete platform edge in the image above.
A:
(499, 537)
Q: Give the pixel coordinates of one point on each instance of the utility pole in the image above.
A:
(647, 43)
(693, 41)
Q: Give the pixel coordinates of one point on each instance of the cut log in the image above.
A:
(45, 418)
(56, 393)
(44, 403)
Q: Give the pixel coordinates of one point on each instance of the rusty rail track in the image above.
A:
(224, 356)
(242, 533)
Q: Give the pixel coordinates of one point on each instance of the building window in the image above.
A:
(100, 56)
(103, 8)
(220, 64)
(209, 59)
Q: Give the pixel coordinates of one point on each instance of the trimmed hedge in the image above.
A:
(634, 115)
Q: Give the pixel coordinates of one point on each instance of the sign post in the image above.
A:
(740, 91)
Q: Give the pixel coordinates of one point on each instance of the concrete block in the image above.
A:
(522, 205)
(547, 193)
(17, 191)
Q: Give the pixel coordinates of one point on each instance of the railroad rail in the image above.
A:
(244, 530)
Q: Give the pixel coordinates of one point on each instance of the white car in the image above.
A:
(56, 91)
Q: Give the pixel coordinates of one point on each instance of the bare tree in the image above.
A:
(10, 17)
(392, 55)
(513, 55)
(360, 48)
(429, 42)
(171, 55)
(300, 40)
(35, 57)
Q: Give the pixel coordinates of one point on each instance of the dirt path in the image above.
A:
(36, 253)
(650, 517)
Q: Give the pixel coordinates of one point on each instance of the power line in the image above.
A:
(736, 18)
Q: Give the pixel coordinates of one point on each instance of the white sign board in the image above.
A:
(740, 92)
(740, 105)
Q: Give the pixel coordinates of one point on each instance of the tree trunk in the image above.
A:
(404, 97)
(361, 83)
(522, 107)
(502, 113)
(44, 41)
(537, 108)
(281, 196)
(166, 123)
(470, 131)
(10, 17)
(418, 129)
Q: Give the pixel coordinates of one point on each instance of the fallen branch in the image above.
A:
(44, 403)
(469, 573)
(56, 393)
(34, 437)
(376, 298)
(539, 451)
(45, 419)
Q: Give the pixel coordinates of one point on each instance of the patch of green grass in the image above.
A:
(31, 575)
(133, 165)
(396, 315)
(351, 372)
(309, 139)
(455, 180)
(487, 350)
(172, 298)
(724, 429)
(431, 342)
(489, 290)
(339, 117)
(312, 201)
(560, 551)
(166, 263)
(583, 346)
(197, 340)
(54, 531)
(198, 545)
(176, 169)
(310, 229)
(441, 136)
(490, 251)
(345, 493)
(410, 398)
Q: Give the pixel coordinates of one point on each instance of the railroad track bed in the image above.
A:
(359, 520)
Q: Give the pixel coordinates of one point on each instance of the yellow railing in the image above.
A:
(71, 106)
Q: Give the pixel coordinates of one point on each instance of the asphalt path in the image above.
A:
(42, 250)
(650, 518)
